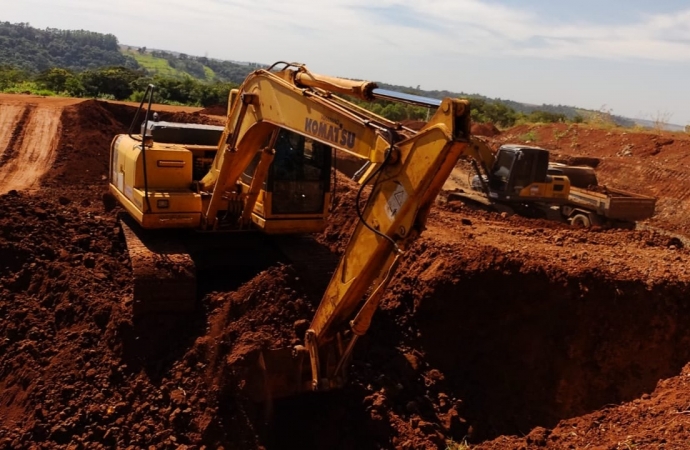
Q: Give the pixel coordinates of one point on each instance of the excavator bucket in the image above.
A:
(272, 374)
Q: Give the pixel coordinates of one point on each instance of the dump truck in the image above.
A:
(586, 203)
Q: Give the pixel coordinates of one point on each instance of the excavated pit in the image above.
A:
(523, 350)
(508, 349)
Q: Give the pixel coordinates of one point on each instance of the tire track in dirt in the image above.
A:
(16, 137)
(31, 148)
(9, 119)
(671, 187)
(655, 178)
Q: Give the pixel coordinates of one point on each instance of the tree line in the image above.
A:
(35, 50)
(122, 83)
(88, 64)
(114, 83)
(482, 111)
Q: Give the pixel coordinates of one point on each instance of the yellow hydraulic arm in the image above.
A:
(299, 101)
(405, 186)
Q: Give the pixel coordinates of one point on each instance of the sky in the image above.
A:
(630, 57)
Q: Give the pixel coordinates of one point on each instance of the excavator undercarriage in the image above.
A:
(172, 269)
(163, 271)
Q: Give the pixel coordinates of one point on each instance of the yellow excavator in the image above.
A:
(268, 171)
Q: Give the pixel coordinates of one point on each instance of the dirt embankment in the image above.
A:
(495, 326)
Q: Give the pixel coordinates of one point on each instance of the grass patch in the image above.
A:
(154, 65)
(29, 87)
(530, 136)
(452, 445)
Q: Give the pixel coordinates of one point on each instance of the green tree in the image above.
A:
(546, 117)
(115, 81)
(38, 50)
(11, 76)
(74, 87)
(55, 79)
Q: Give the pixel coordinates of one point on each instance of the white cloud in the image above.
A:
(447, 44)
(353, 27)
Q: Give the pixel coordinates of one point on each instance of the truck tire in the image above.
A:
(580, 221)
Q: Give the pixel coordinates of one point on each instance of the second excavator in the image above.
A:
(267, 171)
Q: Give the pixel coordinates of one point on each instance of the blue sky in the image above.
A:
(631, 57)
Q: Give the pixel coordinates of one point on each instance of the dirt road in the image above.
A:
(29, 133)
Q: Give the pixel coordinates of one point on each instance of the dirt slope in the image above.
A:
(28, 138)
(30, 154)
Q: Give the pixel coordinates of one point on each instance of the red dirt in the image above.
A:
(495, 326)
(216, 110)
(485, 129)
(28, 141)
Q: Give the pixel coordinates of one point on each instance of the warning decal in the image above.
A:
(396, 201)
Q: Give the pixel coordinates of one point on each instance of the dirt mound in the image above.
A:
(64, 277)
(195, 117)
(485, 129)
(216, 110)
(87, 131)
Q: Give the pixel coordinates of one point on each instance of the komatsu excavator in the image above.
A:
(270, 172)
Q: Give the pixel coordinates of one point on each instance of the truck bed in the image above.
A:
(613, 203)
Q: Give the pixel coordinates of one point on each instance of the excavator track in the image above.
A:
(164, 273)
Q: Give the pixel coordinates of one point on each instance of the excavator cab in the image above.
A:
(298, 180)
(516, 168)
(520, 173)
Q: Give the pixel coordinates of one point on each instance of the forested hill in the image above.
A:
(569, 112)
(32, 59)
(35, 50)
(179, 65)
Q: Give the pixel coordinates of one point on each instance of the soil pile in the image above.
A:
(485, 129)
(88, 129)
(216, 110)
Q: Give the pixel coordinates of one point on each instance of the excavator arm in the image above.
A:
(299, 101)
(406, 172)
(404, 188)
